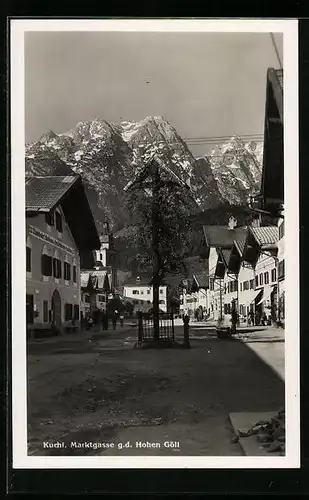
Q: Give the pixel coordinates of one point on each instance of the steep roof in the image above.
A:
(272, 183)
(265, 235)
(240, 246)
(222, 236)
(275, 79)
(225, 252)
(201, 280)
(43, 194)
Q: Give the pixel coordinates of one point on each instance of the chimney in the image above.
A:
(232, 223)
(256, 222)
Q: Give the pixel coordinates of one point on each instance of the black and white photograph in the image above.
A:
(154, 243)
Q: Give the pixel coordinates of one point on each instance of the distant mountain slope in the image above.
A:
(106, 154)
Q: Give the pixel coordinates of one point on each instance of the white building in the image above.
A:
(140, 293)
(61, 234)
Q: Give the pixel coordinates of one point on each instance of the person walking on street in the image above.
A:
(234, 320)
(103, 320)
(115, 317)
(121, 317)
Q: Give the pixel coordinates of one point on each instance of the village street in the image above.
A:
(97, 388)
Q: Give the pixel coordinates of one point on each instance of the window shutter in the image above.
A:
(74, 274)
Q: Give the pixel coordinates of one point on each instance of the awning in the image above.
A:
(267, 293)
(252, 295)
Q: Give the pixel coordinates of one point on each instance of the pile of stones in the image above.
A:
(269, 433)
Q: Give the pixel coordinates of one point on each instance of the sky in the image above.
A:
(204, 84)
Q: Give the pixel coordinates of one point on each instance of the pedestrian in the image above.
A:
(103, 320)
(89, 322)
(121, 317)
(114, 319)
(234, 320)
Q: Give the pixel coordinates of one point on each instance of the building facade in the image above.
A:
(55, 246)
(140, 293)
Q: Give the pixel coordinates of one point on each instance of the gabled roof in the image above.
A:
(225, 252)
(201, 280)
(265, 235)
(96, 280)
(222, 236)
(43, 194)
(275, 79)
(240, 246)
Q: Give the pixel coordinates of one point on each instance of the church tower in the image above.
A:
(103, 255)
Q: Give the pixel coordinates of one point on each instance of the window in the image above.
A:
(148, 292)
(241, 287)
(58, 222)
(45, 311)
(101, 298)
(273, 275)
(148, 301)
(57, 268)
(67, 271)
(101, 256)
(161, 301)
(261, 279)
(251, 284)
(76, 312)
(161, 291)
(74, 274)
(46, 265)
(266, 278)
(281, 230)
(49, 218)
(256, 281)
(236, 285)
(68, 312)
(225, 308)
(87, 299)
(142, 292)
(135, 292)
(28, 259)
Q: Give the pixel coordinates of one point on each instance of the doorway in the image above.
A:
(56, 309)
(29, 309)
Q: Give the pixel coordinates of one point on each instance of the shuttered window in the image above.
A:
(273, 275)
(57, 268)
(266, 278)
(74, 274)
(67, 271)
(58, 222)
(46, 265)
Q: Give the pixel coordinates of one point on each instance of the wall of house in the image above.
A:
(143, 296)
(62, 245)
(246, 285)
(281, 280)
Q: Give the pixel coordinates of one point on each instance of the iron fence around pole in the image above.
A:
(147, 329)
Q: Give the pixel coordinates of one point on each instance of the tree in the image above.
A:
(160, 206)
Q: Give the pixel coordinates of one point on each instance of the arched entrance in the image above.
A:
(56, 309)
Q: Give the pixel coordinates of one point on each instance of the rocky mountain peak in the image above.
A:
(107, 155)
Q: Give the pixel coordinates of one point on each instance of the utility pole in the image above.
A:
(155, 248)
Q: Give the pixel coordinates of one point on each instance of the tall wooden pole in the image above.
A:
(155, 248)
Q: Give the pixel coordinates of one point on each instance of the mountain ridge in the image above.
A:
(108, 154)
